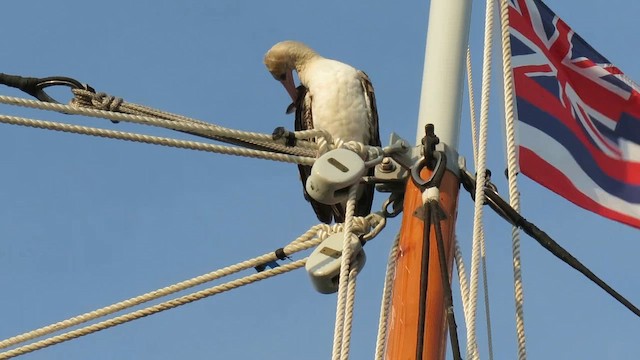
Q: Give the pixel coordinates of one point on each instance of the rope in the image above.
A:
(312, 237)
(156, 140)
(462, 278)
(348, 314)
(483, 255)
(476, 254)
(385, 304)
(512, 170)
(485, 287)
(166, 120)
(103, 102)
(101, 105)
(152, 309)
(266, 146)
(370, 226)
(344, 279)
(251, 144)
(472, 107)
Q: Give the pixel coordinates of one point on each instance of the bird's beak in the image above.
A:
(290, 86)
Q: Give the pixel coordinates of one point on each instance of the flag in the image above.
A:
(578, 116)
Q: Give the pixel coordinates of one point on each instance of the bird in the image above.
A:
(332, 96)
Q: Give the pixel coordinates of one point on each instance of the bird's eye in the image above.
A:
(282, 77)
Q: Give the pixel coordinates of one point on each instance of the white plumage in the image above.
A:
(333, 96)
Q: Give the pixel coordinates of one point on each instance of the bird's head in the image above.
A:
(283, 58)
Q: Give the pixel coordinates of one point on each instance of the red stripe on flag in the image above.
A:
(625, 171)
(553, 179)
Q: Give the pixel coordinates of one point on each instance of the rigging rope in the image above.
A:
(156, 140)
(342, 330)
(481, 157)
(165, 120)
(304, 242)
(118, 320)
(348, 313)
(483, 253)
(512, 171)
(385, 303)
(462, 277)
(281, 146)
(370, 226)
(101, 101)
(275, 146)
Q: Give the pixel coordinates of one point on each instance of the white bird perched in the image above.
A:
(334, 97)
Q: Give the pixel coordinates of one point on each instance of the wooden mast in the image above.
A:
(440, 104)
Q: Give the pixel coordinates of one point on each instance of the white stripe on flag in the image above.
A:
(557, 156)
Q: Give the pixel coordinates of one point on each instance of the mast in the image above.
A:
(440, 105)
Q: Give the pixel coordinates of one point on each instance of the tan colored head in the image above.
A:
(283, 58)
(286, 56)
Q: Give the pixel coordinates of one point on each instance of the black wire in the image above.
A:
(505, 210)
(424, 280)
(446, 285)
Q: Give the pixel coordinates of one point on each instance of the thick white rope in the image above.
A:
(101, 101)
(472, 107)
(184, 124)
(309, 143)
(153, 309)
(512, 171)
(462, 275)
(385, 303)
(483, 254)
(472, 347)
(463, 280)
(485, 286)
(348, 313)
(483, 263)
(162, 119)
(345, 270)
(156, 140)
(311, 238)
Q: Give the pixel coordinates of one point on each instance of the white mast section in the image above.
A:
(442, 81)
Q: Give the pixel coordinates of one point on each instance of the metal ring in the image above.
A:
(436, 175)
(57, 81)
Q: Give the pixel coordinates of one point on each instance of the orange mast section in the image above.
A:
(403, 333)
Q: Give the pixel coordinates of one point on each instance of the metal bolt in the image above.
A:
(387, 165)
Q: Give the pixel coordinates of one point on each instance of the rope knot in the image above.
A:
(102, 101)
(360, 225)
(99, 101)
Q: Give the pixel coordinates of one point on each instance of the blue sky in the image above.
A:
(86, 222)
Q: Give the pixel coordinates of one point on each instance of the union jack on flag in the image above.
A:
(578, 115)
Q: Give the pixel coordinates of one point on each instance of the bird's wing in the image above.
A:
(372, 109)
(304, 121)
(365, 201)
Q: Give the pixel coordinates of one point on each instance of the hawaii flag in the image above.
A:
(578, 115)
